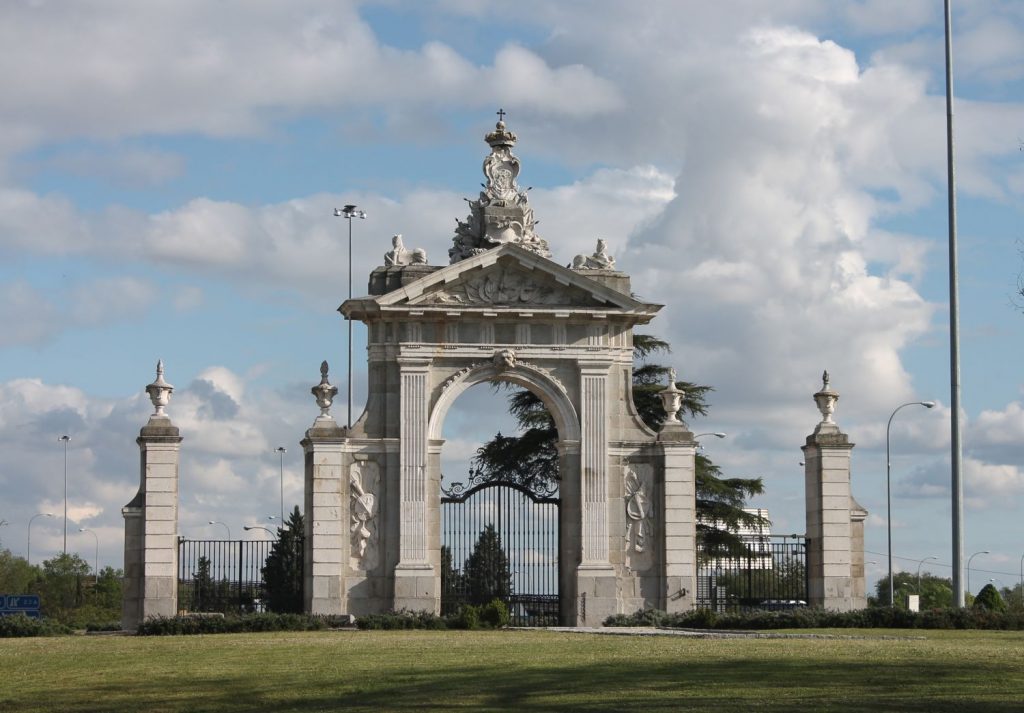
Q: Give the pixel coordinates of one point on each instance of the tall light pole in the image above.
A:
(218, 522)
(96, 568)
(1022, 581)
(348, 213)
(65, 439)
(919, 571)
(888, 485)
(281, 450)
(28, 548)
(983, 552)
(955, 443)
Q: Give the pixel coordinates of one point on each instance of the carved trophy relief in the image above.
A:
(364, 482)
(637, 487)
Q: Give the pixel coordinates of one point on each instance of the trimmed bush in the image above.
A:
(403, 619)
(217, 624)
(989, 598)
(468, 617)
(809, 618)
(494, 614)
(19, 625)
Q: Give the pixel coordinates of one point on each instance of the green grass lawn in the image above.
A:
(513, 670)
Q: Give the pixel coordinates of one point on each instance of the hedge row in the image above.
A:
(808, 618)
(493, 615)
(191, 624)
(20, 625)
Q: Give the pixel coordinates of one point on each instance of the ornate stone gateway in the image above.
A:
(499, 540)
(500, 311)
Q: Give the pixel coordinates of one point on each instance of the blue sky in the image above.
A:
(773, 173)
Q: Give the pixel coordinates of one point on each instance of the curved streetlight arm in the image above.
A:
(96, 567)
(982, 552)
(224, 525)
(28, 548)
(248, 528)
(888, 485)
(919, 570)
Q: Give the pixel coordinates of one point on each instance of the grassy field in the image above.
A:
(513, 670)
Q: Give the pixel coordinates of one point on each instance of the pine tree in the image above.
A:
(283, 570)
(532, 458)
(486, 570)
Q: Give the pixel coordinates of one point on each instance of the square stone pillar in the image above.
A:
(151, 527)
(417, 586)
(828, 507)
(597, 584)
(679, 517)
(326, 518)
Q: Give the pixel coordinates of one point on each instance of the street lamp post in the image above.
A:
(218, 522)
(919, 571)
(247, 528)
(96, 567)
(983, 552)
(28, 548)
(65, 438)
(348, 213)
(1022, 581)
(281, 450)
(888, 484)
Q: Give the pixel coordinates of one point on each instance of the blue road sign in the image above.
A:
(20, 602)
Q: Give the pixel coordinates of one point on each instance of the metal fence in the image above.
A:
(770, 574)
(221, 575)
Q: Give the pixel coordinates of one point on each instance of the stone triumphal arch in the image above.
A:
(502, 310)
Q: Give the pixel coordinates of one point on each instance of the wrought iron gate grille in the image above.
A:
(221, 575)
(500, 540)
(771, 574)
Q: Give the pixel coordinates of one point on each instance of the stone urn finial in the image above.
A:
(826, 400)
(324, 394)
(672, 400)
(159, 391)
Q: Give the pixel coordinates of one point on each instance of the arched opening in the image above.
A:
(500, 527)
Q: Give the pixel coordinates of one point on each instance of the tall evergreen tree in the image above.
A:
(486, 571)
(532, 457)
(283, 570)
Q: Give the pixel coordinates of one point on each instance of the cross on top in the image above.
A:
(501, 114)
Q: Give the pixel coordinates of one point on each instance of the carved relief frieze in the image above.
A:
(637, 497)
(364, 484)
(506, 287)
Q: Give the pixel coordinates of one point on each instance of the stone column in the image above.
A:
(416, 587)
(828, 504)
(679, 510)
(151, 518)
(326, 508)
(597, 585)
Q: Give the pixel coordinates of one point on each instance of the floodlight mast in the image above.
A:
(956, 444)
(348, 213)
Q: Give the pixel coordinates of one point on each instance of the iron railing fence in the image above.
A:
(770, 574)
(221, 575)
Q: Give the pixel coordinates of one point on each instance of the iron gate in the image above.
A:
(770, 574)
(500, 540)
(221, 575)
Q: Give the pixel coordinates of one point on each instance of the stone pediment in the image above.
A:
(510, 277)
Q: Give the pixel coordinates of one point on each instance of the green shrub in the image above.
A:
(468, 617)
(103, 626)
(20, 625)
(235, 624)
(494, 614)
(989, 598)
(403, 619)
(812, 618)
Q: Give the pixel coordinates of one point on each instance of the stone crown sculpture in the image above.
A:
(502, 213)
(159, 391)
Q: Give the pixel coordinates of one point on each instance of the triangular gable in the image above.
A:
(509, 276)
